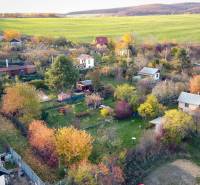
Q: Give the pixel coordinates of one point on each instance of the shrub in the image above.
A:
(93, 100)
(150, 108)
(124, 92)
(42, 140)
(195, 84)
(122, 110)
(108, 91)
(104, 112)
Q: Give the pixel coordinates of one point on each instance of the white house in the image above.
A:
(85, 61)
(150, 72)
(16, 43)
(189, 102)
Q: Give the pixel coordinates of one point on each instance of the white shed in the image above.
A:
(150, 72)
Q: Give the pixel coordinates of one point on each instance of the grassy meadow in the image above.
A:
(180, 28)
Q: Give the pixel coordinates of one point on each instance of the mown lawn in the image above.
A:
(180, 28)
(124, 130)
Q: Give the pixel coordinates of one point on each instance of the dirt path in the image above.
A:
(179, 172)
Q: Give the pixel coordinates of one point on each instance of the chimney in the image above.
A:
(7, 63)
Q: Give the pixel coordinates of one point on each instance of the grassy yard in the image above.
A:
(181, 28)
(122, 130)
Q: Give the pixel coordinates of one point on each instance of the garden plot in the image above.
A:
(179, 172)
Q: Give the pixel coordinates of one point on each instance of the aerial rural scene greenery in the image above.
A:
(100, 97)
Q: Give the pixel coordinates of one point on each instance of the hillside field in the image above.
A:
(180, 28)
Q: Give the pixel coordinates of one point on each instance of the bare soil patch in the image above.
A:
(179, 172)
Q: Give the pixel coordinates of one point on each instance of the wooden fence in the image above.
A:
(25, 167)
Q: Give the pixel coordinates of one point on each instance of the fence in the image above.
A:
(27, 170)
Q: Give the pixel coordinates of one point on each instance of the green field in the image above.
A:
(180, 28)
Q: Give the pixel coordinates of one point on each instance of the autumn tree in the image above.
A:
(83, 174)
(73, 145)
(128, 39)
(184, 58)
(150, 108)
(195, 84)
(176, 125)
(21, 100)
(42, 139)
(168, 91)
(95, 77)
(11, 34)
(62, 74)
(93, 100)
(124, 92)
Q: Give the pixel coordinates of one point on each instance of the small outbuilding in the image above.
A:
(85, 61)
(16, 43)
(84, 85)
(150, 72)
(189, 102)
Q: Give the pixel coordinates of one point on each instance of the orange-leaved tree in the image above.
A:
(195, 84)
(42, 139)
(11, 34)
(21, 100)
(73, 145)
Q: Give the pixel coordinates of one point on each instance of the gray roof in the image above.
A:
(148, 71)
(86, 82)
(157, 121)
(189, 98)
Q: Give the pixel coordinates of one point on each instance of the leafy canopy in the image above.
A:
(62, 74)
(176, 125)
(73, 145)
(124, 92)
(22, 100)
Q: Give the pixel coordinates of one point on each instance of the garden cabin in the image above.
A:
(16, 43)
(85, 85)
(14, 70)
(189, 102)
(101, 42)
(64, 96)
(85, 61)
(149, 72)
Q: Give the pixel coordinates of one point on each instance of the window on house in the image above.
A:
(157, 75)
(186, 105)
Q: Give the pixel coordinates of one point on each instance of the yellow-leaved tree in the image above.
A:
(11, 34)
(73, 145)
(150, 108)
(176, 126)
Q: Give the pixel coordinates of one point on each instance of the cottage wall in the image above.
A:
(188, 109)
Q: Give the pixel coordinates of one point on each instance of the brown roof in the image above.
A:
(102, 40)
(14, 67)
